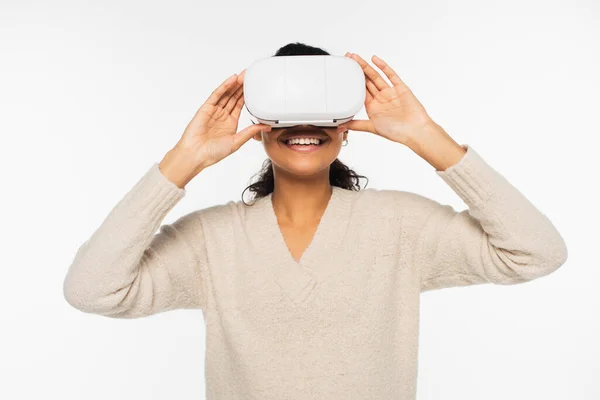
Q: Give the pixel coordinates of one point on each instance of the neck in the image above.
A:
(301, 201)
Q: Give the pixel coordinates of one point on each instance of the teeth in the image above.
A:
(304, 141)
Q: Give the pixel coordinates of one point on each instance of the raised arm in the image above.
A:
(501, 238)
(125, 270)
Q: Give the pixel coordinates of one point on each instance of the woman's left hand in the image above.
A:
(394, 112)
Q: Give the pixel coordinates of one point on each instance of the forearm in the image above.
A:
(436, 147)
(179, 166)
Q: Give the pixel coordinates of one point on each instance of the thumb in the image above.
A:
(246, 134)
(364, 125)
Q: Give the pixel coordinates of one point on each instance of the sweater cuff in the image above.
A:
(154, 194)
(471, 177)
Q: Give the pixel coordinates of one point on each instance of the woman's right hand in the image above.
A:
(211, 134)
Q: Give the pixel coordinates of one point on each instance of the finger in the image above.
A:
(221, 90)
(368, 94)
(233, 99)
(228, 93)
(373, 91)
(246, 134)
(241, 76)
(380, 83)
(237, 109)
(357, 125)
(389, 72)
(368, 97)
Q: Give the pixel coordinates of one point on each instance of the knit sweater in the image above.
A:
(340, 323)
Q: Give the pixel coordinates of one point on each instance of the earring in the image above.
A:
(346, 141)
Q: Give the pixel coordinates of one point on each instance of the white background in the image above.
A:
(93, 93)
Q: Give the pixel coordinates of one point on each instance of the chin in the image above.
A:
(303, 167)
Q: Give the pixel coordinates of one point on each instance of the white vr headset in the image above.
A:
(320, 90)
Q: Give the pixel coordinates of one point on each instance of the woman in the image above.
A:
(312, 291)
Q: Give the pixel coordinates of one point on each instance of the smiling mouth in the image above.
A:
(304, 141)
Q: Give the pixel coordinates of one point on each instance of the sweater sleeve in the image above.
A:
(127, 270)
(502, 238)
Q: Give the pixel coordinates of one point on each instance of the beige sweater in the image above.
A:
(341, 324)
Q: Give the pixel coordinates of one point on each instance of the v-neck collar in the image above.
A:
(298, 278)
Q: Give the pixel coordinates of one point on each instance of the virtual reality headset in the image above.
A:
(320, 90)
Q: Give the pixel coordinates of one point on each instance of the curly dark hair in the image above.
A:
(339, 173)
